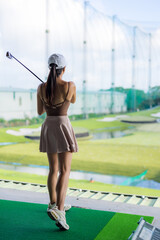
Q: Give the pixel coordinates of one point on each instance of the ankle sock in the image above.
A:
(53, 204)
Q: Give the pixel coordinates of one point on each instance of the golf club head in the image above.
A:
(9, 55)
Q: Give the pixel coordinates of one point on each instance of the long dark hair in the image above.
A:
(51, 82)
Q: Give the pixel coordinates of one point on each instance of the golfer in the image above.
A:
(57, 137)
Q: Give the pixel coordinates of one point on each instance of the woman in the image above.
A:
(57, 136)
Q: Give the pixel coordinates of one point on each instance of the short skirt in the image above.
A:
(57, 135)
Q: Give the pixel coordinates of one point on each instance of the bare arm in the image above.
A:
(40, 107)
(73, 92)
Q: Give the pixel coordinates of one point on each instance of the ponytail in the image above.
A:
(51, 84)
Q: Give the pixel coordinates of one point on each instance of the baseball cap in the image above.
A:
(57, 59)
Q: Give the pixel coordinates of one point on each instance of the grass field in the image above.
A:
(82, 184)
(128, 156)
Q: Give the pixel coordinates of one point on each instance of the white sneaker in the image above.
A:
(60, 218)
(49, 210)
(61, 222)
(66, 206)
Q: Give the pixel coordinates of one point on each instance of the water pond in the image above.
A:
(81, 175)
(7, 143)
(112, 134)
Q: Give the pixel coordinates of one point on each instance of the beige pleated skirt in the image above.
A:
(57, 135)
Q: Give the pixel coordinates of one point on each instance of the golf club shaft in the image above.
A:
(26, 68)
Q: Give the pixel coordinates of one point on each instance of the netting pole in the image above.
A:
(150, 69)
(84, 60)
(113, 65)
(133, 102)
(47, 37)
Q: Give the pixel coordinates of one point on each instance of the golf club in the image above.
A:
(10, 56)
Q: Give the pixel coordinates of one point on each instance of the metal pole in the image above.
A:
(85, 60)
(150, 69)
(47, 36)
(113, 65)
(10, 56)
(133, 102)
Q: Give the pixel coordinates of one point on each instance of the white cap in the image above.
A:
(57, 59)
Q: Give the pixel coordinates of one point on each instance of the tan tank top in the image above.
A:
(59, 109)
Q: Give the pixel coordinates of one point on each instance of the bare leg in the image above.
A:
(65, 160)
(52, 176)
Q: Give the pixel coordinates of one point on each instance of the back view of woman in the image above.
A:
(57, 136)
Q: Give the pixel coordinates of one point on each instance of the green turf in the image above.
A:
(121, 226)
(20, 220)
(82, 184)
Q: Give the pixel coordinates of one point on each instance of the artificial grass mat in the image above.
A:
(121, 226)
(27, 221)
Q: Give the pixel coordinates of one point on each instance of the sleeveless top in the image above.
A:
(59, 109)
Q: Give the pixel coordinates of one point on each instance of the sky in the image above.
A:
(22, 32)
(142, 12)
